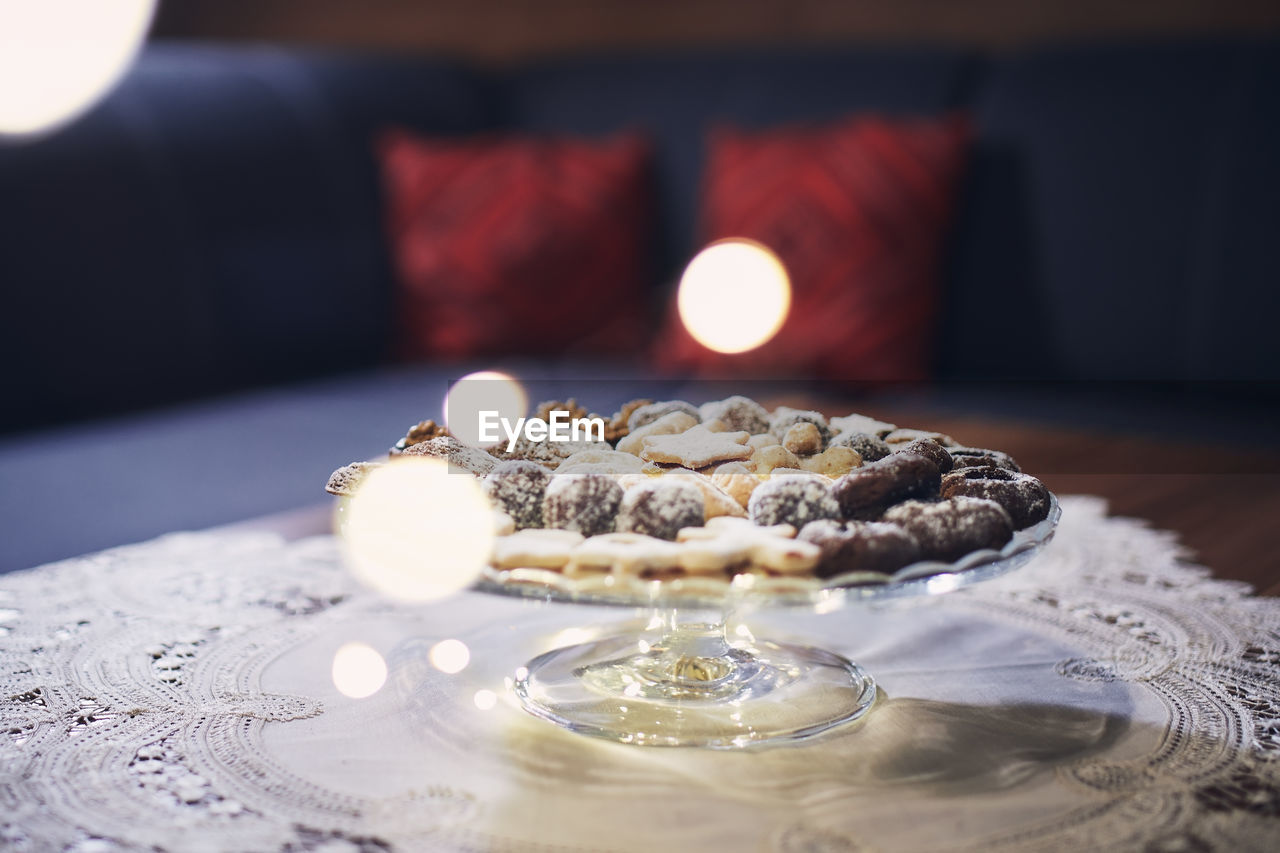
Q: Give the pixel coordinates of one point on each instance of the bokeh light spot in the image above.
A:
(415, 532)
(450, 656)
(734, 296)
(59, 56)
(487, 390)
(358, 671)
(485, 699)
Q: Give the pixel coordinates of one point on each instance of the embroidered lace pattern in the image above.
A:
(165, 696)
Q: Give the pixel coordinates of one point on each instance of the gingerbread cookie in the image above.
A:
(1024, 497)
(865, 492)
(858, 546)
(949, 529)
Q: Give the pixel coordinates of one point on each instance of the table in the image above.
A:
(178, 694)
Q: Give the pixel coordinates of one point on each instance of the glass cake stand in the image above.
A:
(685, 680)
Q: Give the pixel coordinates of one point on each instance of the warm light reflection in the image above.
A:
(450, 656)
(485, 699)
(415, 532)
(734, 296)
(487, 390)
(358, 671)
(59, 56)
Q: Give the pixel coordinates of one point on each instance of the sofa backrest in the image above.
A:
(1121, 217)
(675, 99)
(214, 223)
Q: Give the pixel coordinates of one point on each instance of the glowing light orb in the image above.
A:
(358, 671)
(415, 532)
(485, 699)
(486, 390)
(734, 296)
(57, 57)
(450, 656)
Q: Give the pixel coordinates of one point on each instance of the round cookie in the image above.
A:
(785, 418)
(517, 488)
(1024, 497)
(865, 492)
(803, 439)
(792, 499)
(737, 413)
(650, 413)
(977, 457)
(586, 503)
(931, 449)
(949, 529)
(660, 508)
(859, 546)
(870, 447)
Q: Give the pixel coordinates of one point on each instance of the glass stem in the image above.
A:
(693, 648)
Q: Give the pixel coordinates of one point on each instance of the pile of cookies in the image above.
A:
(678, 490)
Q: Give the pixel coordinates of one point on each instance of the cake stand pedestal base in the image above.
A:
(693, 687)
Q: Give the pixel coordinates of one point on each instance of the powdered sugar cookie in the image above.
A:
(660, 507)
(666, 425)
(772, 548)
(535, 549)
(459, 456)
(600, 461)
(346, 479)
(856, 423)
(623, 553)
(737, 413)
(696, 447)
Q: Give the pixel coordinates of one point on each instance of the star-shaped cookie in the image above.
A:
(535, 549)
(696, 447)
(622, 553)
(728, 541)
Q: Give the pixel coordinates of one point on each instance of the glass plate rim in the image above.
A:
(926, 577)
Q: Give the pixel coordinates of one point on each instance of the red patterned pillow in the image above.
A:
(517, 246)
(858, 213)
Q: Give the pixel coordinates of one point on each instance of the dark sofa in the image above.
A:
(215, 226)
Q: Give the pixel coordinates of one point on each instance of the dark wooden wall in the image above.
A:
(503, 30)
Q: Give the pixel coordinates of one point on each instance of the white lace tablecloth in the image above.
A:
(177, 695)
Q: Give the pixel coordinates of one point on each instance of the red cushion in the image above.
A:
(857, 212)
(517, 245)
